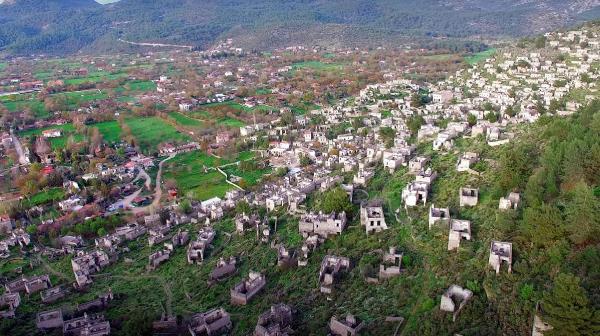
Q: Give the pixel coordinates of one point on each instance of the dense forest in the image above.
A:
(557, 165)
(35, 26)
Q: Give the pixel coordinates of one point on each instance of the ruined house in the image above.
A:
(331, 269)
(466, 160)
(49, 319)
(99, 303)
(8, 304)
(454, 299)
(276, 321)
(30, 285)
(223, 269)
(310, 244)
(391, 265)
(180, 238)
(213, 322)
(441, 215)
(468, 196)
(286, 258)
(244, 222)
(414, 193)
(349, 326)
(53, 294)
(87, 325)
(417, 164)
(86, 264)
(510, 202)
(459, 229)
(197, 249)
(500, 252)
(372, 217)
(244, 291)
(322, 224)
(157, 258)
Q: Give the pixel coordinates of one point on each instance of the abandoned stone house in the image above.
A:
(87, 325)
(158, 234)
(415, 193)
(152, 220)
(180, 238)
(418, 163)
(372, 217)
(349, 326)
(331, 268)
(223, 269)
(158, 257)
(8, 304)
(391, 265)
(197, 249)
(286, 258)
(426, 175)
(30, 285)
(459, 229)
(86, 264)
(213, 322)
(454, 299)
(99, 303)
(510, 202)
(500, 252)
(309, 245)
(322, 224)
(438, 215)
(466, 160)
(276, 321)
(53, 294)
(468, 196)
(244, 291)
(50, 319)
(244, 222)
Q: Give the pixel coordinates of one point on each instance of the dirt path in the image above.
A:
(22, 159)
(157, 188)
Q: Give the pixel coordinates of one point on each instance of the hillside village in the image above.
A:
(317, 218)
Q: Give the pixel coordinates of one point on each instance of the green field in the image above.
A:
(230, 122)
(95, 77)
(184, 120)
(58, 142)
(110, 130)
(251, 177)
(188, 170)
(316, 65)
(43, 197)
(480, 56)
(150, 132)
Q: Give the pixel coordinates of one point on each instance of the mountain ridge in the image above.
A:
(53, 26)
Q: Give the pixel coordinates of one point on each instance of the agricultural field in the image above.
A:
(110, 130)
(318, 66)
(185, 121)
(188, 170)
(480, 56)
(45, 196)
(150, 132)
(58, 142)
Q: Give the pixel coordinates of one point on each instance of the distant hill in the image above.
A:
(67, 26)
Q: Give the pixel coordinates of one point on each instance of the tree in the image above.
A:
(543, 225)
(334, 200)
(416, 100)
(582, 215)
(387, 134)
(566, 308)
(472, 120)
(414, 123)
